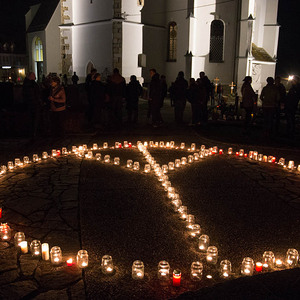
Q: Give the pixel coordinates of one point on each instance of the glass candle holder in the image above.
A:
(136, 166)
(35, 248)
(177, 203)
(203, 242)
(82, 259)
(171, 192)
(95, 146)
(225, 268)
(129, 163)
(250, 155)
(182, 145)
(212, 255)
(107, 158)
(45, 251)
(281, 161)
(255, 155)
(163, 271)
(117, 145)
(176, 277)
(292, 257)
(35, 158)
(183, 161)
(164, 169)
(3, 169)
(269, 259)
(206, 152)
(84, 147)
(260, 157)
(196, 271)
(161, 144)
(194, 230)
(196, 156)
(74, 148)
(177, 163)
(89, 154)
(18, 238)
(166, 184)
(247, 266)
(151, 143)
(183, 212)
(64, 151)
(193, 146)
(291, 165)
(215, 150)
(265, 158)
(190, 220)
(190, 159)
(270, 159)
(241, 152)
(147, 168)
(171, 166)
(279, 263)
(107, 265)
(98, 156)
(53, 153)
(125, 143)
(172, 144)
(5, 233)
(26, 160)
(105, 145)
(10, 165)
(202, 148)
(17, 162)
(117, 161)
(44, 155)
(137, 270)
(56, 255)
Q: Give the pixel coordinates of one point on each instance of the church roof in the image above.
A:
(260, 54)
(43, 15)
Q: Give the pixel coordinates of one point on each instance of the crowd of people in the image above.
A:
(47, 103)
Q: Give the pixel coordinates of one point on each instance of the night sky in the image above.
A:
(12, 29)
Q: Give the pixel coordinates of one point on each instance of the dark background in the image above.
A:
(12, 28)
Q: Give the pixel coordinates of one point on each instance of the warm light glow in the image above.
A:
(291, 77)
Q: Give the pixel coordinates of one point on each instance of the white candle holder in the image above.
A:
(203, 242)
(45, 155)
(292, 257)
(56, 255)
(247, 266)
(212, 255)
(183, 212)
(269, 259)
(291, 165)
(82, 259)
(138, 270)
(163, 272)
(10, 165)
(105, 145)
(45, 251)
(117, 161)
(196, 271)
(182, 145)
(24, 247)
(196, 156)
(183, 161)
(95, 146)
(193, 147)
(98, 156)
(17, 162)
(190, 220)
(194, 230)
(136, 166)
(171, 166)
(18, 238)
(36, 248)
(190, 159)
(107, 159)
(225, 268)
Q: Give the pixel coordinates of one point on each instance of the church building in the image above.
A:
(228, 39)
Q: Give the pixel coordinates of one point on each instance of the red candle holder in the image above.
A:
(176, 277)
(0, 212)
(70, 262)
(258, 267)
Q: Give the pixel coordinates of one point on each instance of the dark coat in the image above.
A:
(31, 94)
(98, 90)
(292, 98)
(179, 89)
(155, 90)
(133, 92)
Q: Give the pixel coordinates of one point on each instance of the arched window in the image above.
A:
(216, 53)
(172, 41)
(38, 50)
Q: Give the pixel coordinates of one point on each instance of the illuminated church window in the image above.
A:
(39, 49)
(172, 41)
(216, 53)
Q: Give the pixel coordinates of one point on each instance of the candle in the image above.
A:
(45, 251)
(183, 160)
(82, 259)
(196, 270)
(107, 158)
(171, 166)
(107, 265)
(177, 163)
(176, 277)
(190, 159)
(56, 255)
(44, 155)
(269, 259)
(163, 270)
(136, 166)
(98, 156)
(147, 168)
(0, 212)
(193, 146)
(138, 270)
(182, 145)
(225, 268)
(212, 255)
(292, 257)
(105, 145)
(195, 230)
(70, 262)
(35, 248)
(190, 220)
(258, 267)
(26, 160)
(116, 161)
(241, 152)
(183, 212)
(17, 162)
(291, 165)
(54, 152)
(84, 147)
(5, 232)
(161, 144)
(24, 247)
(203, 242)
(279, 263)
(10, 165)
(247, 266)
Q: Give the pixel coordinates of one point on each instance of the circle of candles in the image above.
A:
(56, 255)
(129, 163)
(24, 246)
(18, 238)
(171, 166)
(136, 166)
(190, 220)
(212, 254)
(98, 156)
(183, 212)
(203, 242)
(82, 259)
(225, 268)
(5, 233)
(107, 158)
(269, 258)
(35, 248)
(176, 277)
(194, 230)
(107, 265)
(138, 270)
(258, 266)
(163, 272)
(117, 161)
(247, 266)
(196, 270)
(292, 257)
(26, 160)
(45, 251)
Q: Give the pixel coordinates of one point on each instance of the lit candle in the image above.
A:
(107, 158)
(44, 155)
(82, 259)
(291, 165)
(269, 259)
(0, 212)
(195, 230)
(182, 145)
(225, 268)
(279, 263)
(138, 270)
(56, 255)
(163, 270)
(183, 212)
(176, 277)
(35, 248)
(116, 161)
(247, 266)
(70, 262)
(196, 270)
(212, 255)
(24, 247)
(45, 251)
(292, 257)
(203, 242)
(107, 265)
(258, 266)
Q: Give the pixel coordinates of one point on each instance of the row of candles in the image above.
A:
(248, 265)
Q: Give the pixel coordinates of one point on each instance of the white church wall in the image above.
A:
(259, 22)
(153, 12)
(68, 6)
(52, 47)
(92, 43)
(85, 11)
(132, 47)
(131, 10)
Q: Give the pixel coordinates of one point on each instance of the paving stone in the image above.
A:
(28, 264)
(7, 264)
(18, 290)
(77, 291)
(53, 295)
(8, 277)
(70, 217)
(70, 195)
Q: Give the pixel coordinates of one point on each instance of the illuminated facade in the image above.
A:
(226, 39)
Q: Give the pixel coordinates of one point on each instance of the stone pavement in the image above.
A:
(44, 200)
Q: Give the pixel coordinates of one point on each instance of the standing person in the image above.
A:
(164, 88)
(97, 99)
(88, 83)
(180, 87)
(155, 95)
(282, 92)
(133, 92)
(208, 92)
(32, 97)
(202, 102)
(58, 106)
(117, 93)
(270, 99)
(248, 98)
(291, 105)
(191, 95)
(75, 79)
